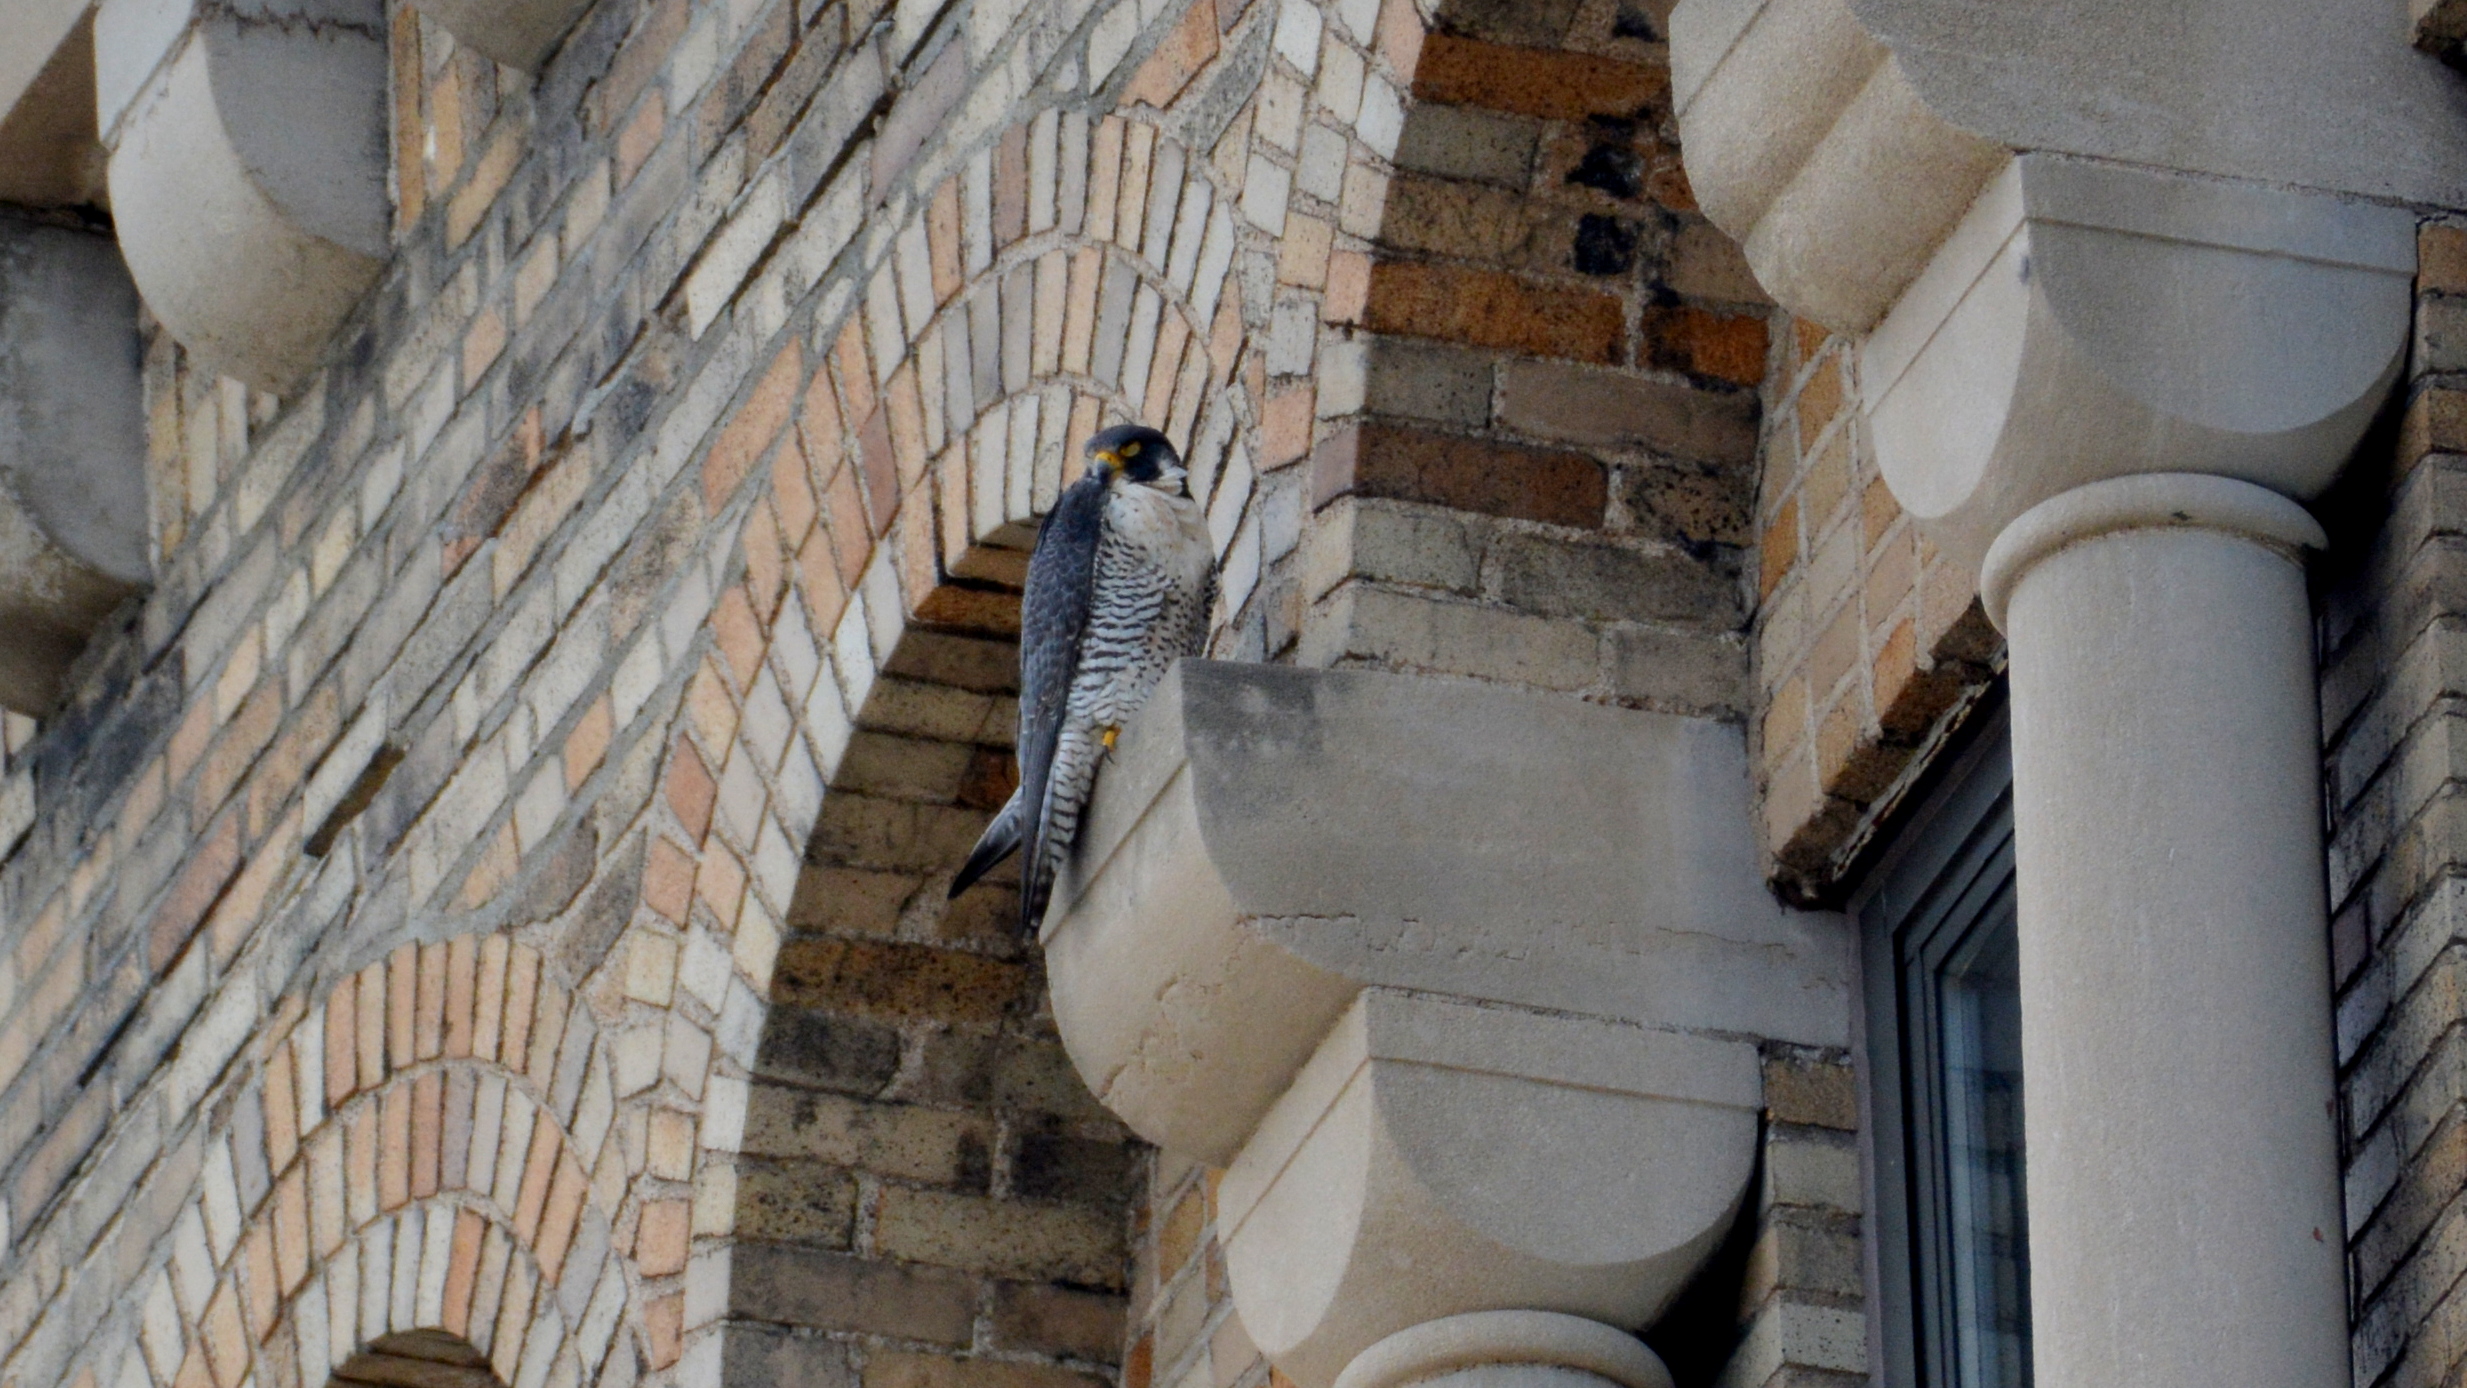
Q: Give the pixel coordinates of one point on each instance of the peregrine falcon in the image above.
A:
(1120, 584)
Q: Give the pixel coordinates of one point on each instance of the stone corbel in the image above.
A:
(1450, 979)
(73, 539)
(517, 33)
(247, 170)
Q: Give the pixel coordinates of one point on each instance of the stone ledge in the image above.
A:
(1268, 841)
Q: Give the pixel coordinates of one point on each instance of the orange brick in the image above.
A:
(1178, 58)
(259, 1278)
(539, 1168)
(1285, 426)
(825, 592)
(226, 1343)
(640, 137)
(792, 489)
(854, 370)
(587, 745)
(1778, 551)
(1491, 308)
(668, 879)
(720, 883)
(660, 1240)
(557, 1220)
(462, 1271)
(1400, 35)
(1550, 83)
(291, 1229)
(394, 1148)
(183, 908)
(756, 424)
(764, 574)
(663, 1330)
(907, 422)
(739, 636)
(691, 791)
(1726, 346)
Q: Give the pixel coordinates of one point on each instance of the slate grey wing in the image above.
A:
(1053, 622)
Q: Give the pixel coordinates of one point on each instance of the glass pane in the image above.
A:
(1981, 1051)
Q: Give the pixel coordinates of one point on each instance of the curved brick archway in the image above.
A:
(920, 1175)
(425, 1152)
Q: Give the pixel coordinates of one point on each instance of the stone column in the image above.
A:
(2174, 964)
(2106, 367)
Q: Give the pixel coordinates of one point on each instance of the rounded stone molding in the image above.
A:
(1439, 1157)
(1482, 1339)
(517, 33)
(248, 187)
(2147, 501)
(73, 540)
(2088, 321)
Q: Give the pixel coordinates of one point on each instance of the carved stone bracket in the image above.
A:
(73, 538)
(1450, 979)
(247, 172)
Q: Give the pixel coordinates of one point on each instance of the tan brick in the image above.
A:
(909, 1370)
(897, 980)
(462, 1271)
(1007, 1238)
(1820, 1093)
(1490, 308)
(1468, 474)
(1554, 85)
(394, 1154)
(691, 791)
(461, 984)
(488, 997)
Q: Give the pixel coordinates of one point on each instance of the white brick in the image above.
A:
(1264, 191)
(732, 253)
(1297, 35)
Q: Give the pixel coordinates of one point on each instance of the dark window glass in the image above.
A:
(1944, 1083)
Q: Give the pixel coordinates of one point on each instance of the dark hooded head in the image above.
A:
(1140, 454)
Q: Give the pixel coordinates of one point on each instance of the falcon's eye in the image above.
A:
(1130, 450)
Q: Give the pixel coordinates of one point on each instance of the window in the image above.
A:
(1943, 1019)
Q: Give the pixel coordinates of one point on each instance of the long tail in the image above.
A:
(1000, 841)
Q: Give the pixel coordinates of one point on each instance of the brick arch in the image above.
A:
(915, 1170)
(427, 1148)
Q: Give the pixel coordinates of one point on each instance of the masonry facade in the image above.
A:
(517, 627)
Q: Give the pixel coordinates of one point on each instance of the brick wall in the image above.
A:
(2388, 630)
(1867, 644)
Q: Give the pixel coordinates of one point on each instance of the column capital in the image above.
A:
(2148, 501)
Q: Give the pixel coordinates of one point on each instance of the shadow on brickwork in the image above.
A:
(925, 1176)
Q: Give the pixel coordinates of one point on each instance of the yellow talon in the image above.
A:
(1110, 734)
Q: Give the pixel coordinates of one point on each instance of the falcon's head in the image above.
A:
(1137, 453)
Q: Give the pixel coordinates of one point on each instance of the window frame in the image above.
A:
(1925, 900)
